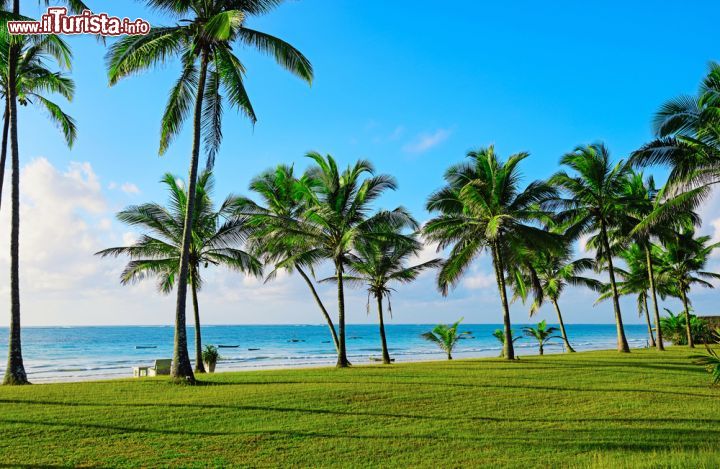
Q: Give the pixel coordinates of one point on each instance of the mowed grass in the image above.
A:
(602, 409)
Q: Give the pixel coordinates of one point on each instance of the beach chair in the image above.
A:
(162, 367)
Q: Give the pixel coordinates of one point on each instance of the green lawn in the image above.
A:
(599, 409)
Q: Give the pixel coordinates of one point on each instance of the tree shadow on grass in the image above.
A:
(608, 439)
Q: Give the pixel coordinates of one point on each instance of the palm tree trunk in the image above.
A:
(383, 340)
(508, 349)
(542, 351)
(181, 367)
(342, 354)
(651, 277)
(568, 347)
(199, 365)
(320, 304)
(649, 324)
(15, 371)
(3, 150)
(622, 343)
(449, 356)
(690, 341)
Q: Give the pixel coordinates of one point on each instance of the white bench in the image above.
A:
(161, 367)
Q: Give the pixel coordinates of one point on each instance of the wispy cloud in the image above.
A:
(130, 188)
(426, 141)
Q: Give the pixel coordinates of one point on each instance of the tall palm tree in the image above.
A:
(205, 41)
(634, 280)
(284, 200)
(482, 207)
(216, 239)
(377, 263)
(546, 274)
(446, 337)
(682, 264)
(336, 219)
(687, 130)
(651, 214)
(35, 79)
(15, 371)
(593, 203)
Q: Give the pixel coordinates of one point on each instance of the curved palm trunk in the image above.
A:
(690, 341)
(651, 338)
(181, 367)
(383, 340)
(15, 372)
(622, 343)
(449, 355)
(568, 347)
(320, 304)
(342, 354)
(656, 311)
(508, 349)
(3, 150)
(199, 365)
(542, 348)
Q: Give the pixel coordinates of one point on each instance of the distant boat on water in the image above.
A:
(137, 347)
(228, 346)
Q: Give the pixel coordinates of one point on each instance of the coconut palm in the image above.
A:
(683, 262)
(711, 362)
(593, 203)
(545, 274)
(15, 59)
(379, 262)
(499, 334)
(446, 337)
(634, 280)
(35, 79)
(687, 130)
(482, 207)
(284, 199)
(542, 334)
(336, 219)
(205, 41)
(216, 240)
(651, 214)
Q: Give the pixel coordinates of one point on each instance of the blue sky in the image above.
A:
(410, 85)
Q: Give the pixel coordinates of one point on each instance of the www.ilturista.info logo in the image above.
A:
(57, 21)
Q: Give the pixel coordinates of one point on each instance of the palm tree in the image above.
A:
(15, 370)
(636, 281)
(546, 274)
(34, 79)
(542, 334)
(687, 130)
(215, 240)
(593, 204)
(650, 213)
(682, 263)
(482, 207)
(711, 360)
(284, 200)
(378, 262)
(446, 337)
(335, 221)
(499, 334)
(205, 42)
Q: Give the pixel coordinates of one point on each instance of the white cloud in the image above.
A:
(478, 281)
(130, 188)
(426, 141)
